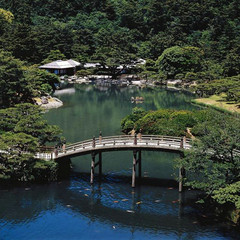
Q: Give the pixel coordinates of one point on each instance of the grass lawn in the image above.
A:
(220, 103)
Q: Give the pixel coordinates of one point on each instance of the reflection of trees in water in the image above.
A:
(23, 205)
(20, 206)
(90, 110)
(153, 98)
(163, 98)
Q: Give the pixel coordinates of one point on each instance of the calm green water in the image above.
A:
(91, 109)
(73, 209)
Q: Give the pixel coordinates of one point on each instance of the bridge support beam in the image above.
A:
(92, 168)
(181, 176)
(94, 165)
(134, 169)
(140, 164)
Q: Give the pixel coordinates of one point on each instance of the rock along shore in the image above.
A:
(51, 102)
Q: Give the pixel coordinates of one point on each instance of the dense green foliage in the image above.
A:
(177, 60)
(212, 164)
(19, 83)
(110, 30)
(6, 19)
(229, 86)
(163, 122)
(22, 127)
(23, 131)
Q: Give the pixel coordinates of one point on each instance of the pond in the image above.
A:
(110, 209)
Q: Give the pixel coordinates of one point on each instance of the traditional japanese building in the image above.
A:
(60, 67)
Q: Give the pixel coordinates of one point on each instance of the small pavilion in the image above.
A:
(60, 67)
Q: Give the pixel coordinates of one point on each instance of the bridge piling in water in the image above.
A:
(182, 171)
(92, 168)
(136, 161)
(140, 164)
(94, 165)
(180, 181)
(134, 169)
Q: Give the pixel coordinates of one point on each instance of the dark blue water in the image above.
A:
(110, 209)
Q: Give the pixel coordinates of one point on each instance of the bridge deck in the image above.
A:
(119, 143)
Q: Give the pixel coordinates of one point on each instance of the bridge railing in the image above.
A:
(46, 156)
(120, 141)
(127, 137)
(124, 140)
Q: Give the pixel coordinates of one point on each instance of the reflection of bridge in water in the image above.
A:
(97, 146)
(47, 199)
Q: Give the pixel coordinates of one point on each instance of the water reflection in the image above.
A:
(90, 110)
(147, 210)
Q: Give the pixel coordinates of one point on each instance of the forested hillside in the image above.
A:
(123, 29)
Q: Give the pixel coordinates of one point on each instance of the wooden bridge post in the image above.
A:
(134, 168)
(180, 183)
(140, 164)
(92, 168)
(182, 173)
(181, 176)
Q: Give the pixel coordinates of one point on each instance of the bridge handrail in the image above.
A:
(110, 139)
(89, 141)
(151, 137)
(121, 141)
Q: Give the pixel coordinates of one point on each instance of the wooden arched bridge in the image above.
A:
(135, 143)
